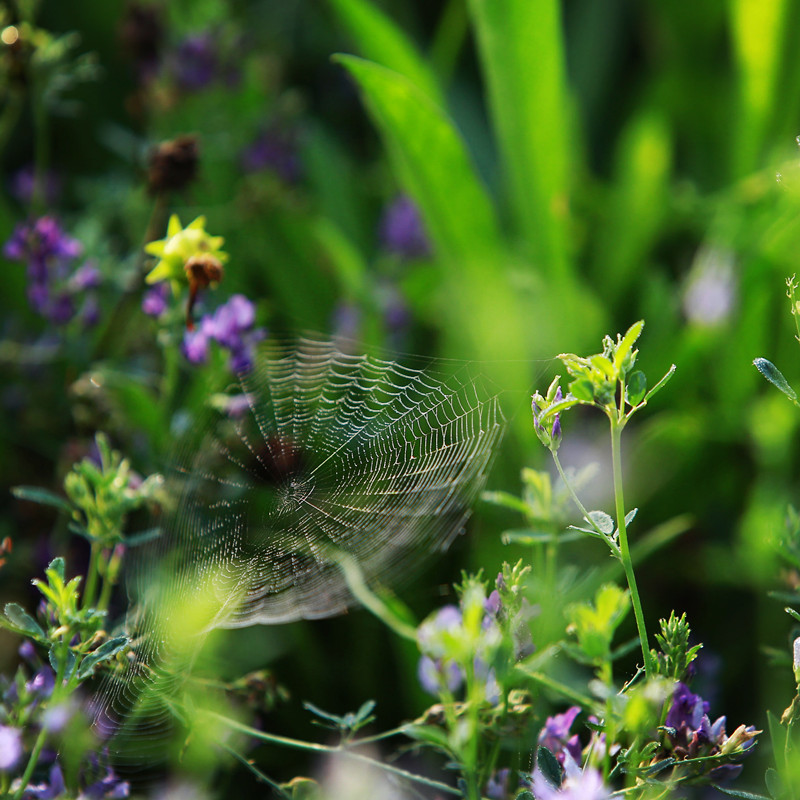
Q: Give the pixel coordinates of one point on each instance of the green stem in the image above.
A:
(607, 678)
(91, 576)
(581, 507)
(256, 771)
(26, 776)
(624, 549)
(297, 744)
(40, 739)
(560, 688)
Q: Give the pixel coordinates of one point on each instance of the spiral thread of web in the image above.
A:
(337, 455)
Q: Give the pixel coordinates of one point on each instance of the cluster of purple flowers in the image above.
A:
(578, 783)
(231, 326)
(57, 287)
(557, 737)
(437, 670)
(691, 734)
(24, 700)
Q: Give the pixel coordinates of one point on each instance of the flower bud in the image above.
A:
(172, 165)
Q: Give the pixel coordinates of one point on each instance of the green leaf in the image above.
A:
(44, 497)
(54, 655)
(434, 167)
(758, 33)
(792, 613)
(582, 389)
(773, 781)
(56, 566)
(630, 516)
(636, 388)
(522, 53)
(106, 651)
(379, 39)
(623, 349)
(338, 722)
(603, 521)
(530, 537)
(432, 162)
(24, 622)
(506, 500)
(549, 767)
(661, 384)
(659, 766)
(638, 201)
(774, 376)
(778, 734)
(739, 793)
(141, 537)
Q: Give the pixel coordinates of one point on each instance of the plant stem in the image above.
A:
(323, 748)
(581, 507)
(26, 776)
(624, 549)
(40, 739)
(91, 576)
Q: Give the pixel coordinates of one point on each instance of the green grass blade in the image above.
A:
(521, 50)
(484, 314)
(380, 40)
(757, 30)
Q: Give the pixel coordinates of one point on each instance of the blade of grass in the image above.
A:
(379, 39)
(521, 50)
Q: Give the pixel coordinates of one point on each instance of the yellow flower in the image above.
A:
(179, 246)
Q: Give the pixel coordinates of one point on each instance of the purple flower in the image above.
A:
(687, 709)
(28, 652)
(154, 302)
(492, 604)
(48, 252)
(438, 674)
(556, 432)
(46, 791)
(578, 784)
(229, 321)
(402, 231)
(41, 685)
(10, 747)
(555, 735)
(446, 620)
(497, 785)
(22, 185)
(87, 276)
(42, 245)
(231, 326)
(196, 62)
(273, 150)
(195, 346)
(109, 785)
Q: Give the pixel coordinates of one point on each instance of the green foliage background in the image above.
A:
(573, 162)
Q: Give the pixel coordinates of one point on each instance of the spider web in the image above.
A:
(337, 456)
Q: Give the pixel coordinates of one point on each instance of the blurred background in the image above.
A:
(503, 189)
